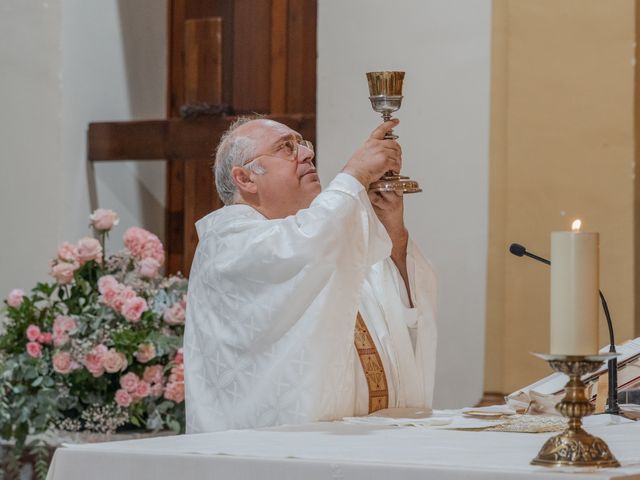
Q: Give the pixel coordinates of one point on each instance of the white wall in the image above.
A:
(444, 46)
(63, 65)
(30, 139)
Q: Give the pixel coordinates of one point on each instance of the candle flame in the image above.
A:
(575, 226)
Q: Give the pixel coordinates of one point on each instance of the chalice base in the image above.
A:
(395, 183)
(575, 449)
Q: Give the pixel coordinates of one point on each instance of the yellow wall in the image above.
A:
(562, 147)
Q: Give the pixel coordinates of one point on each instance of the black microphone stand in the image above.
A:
(612, 399)
(612, 404)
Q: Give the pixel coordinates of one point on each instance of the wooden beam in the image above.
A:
(143, 140)
(301, 56)
(203, 60)
(173, 139)
(202, 83)
(175, 170)
(279, 56)
(251, 56)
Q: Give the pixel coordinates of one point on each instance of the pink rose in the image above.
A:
(132, 310)
(45, 338)
(110, 296)
(143, 244)
(15, 298)
(59, 323)
(134, 239)
(123, 398)
(107, 282)
(33, 332)
(63, 363)
(175, 386)
(63, 272)
(153, 374)
(179, 358)
(146, 352)
(68, 252)
(157, 389)
(142, 390)
(60, 338)
(177, 374)
(34, 349)
(149, 267)
(63, 324)
(110, 291)
(123, 296)
(89, 249)
(114, 361)
(61, 327)
(174, 315)
(129, 382)
(104, 220)
(109, 288)
(174, 391)
(153, 249)
(69, 324)
(93, 360)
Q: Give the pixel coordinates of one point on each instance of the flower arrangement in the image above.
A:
(99, 348)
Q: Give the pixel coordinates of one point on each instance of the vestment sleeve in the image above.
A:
(274, 271)
(422, 282)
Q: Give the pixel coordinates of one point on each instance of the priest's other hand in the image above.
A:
(376, 156)
(389, 207)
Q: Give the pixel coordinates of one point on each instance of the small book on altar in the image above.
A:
(541, 396)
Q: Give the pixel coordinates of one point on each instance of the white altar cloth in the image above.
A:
(336, 450)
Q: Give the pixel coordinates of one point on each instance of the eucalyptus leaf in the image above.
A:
(174, 425)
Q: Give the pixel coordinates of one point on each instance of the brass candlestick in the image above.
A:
(575, 447)
(385, 90)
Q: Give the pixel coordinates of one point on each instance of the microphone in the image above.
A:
(612, 403)
(518, 250)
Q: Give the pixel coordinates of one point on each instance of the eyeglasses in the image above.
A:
(288, 150)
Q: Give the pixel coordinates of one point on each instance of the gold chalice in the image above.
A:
(385, 93)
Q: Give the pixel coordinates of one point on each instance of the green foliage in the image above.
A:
(41, 454)
(127, 341)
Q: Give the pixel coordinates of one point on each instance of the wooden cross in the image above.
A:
(265, 64)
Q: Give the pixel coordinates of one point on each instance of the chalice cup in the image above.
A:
(385, 93)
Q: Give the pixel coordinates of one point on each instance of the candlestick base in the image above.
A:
(575, 447)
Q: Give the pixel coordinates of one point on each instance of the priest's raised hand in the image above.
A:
(376, 156)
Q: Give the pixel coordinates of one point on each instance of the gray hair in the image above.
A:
(233, 151)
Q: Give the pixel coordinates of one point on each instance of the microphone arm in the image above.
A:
(536, 257)
(612, 403)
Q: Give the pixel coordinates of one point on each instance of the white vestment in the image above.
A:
(271, 314)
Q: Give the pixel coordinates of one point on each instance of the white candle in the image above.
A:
(574, 292)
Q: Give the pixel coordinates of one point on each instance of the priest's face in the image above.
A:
(290, 182)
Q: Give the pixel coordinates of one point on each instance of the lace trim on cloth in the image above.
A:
(372, 366)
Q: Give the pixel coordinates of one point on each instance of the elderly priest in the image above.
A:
(304, 304)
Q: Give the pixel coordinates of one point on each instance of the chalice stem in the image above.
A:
(389, 135)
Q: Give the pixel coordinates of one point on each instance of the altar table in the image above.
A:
(336, 450)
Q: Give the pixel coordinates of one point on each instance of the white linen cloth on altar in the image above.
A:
(334, 450)
(271, 314)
